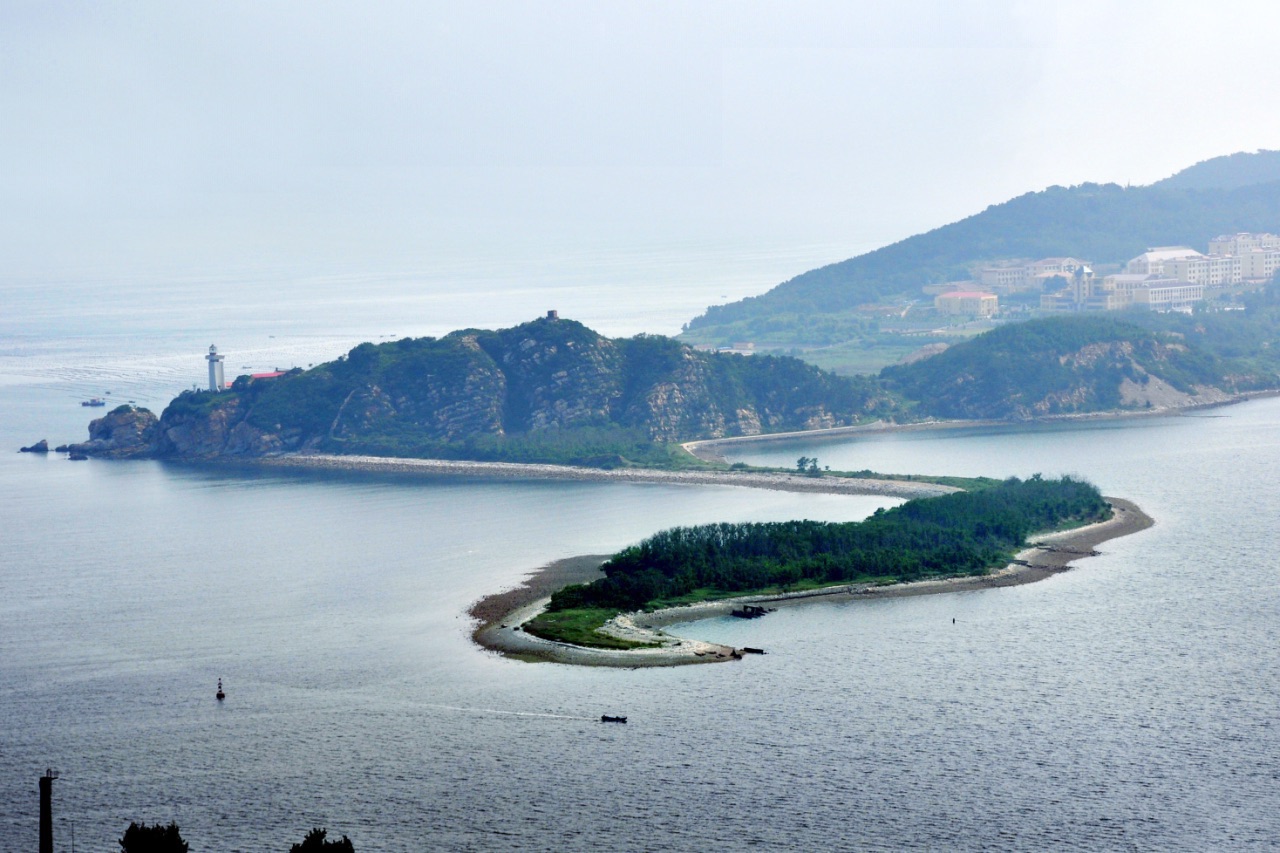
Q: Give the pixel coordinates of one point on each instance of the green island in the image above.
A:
(961, 534)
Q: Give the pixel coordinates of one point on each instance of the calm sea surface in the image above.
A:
(1130, 704)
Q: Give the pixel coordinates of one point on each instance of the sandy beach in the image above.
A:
(500, 615)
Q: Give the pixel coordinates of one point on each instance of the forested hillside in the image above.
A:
(551, 390)
(1233, 170)
(1102, 223)
(1070, 365)
(555, 391)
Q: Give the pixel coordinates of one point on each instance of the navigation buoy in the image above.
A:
(220, 694)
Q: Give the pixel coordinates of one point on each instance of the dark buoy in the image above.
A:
(953, 620)
(220, 694)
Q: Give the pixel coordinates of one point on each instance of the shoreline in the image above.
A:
(536, 471)
(706, 448)
(1045, 556)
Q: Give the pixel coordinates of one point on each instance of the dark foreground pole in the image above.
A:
(46, 810)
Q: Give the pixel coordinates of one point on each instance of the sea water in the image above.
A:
(1126, 704)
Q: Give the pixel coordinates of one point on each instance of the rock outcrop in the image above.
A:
(41, 446)
(125, 432)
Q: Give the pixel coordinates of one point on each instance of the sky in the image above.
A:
(248, 131)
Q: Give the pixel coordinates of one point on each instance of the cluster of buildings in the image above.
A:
(1165, 278)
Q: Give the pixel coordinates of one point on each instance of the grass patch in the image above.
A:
(581, 628)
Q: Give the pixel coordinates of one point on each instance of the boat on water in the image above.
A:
(93, 401)
(221, 695)
(606, 718)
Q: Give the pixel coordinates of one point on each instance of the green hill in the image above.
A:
(1241, 169)
(1103, 223)
(550, 390)
(1092, 363)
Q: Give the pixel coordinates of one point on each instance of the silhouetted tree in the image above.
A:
(315, 843)
(140, 838)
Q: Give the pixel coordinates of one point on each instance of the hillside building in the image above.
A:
(1014, 278)
(1259, 264)
(1206, 270)
(1242, 243)
(1179, 296)
(970, 303)
(1152, 261)
(1004, 279)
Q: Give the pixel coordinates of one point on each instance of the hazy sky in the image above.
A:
(211, 132)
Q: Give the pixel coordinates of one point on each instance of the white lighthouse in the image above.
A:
(216, 382)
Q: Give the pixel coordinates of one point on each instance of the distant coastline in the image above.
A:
(706, 449)
(499, 615)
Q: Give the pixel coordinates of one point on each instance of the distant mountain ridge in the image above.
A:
(1103, 223)
(1228, 172)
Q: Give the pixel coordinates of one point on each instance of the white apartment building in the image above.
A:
(1207, 270)
(973, 303)
(1239, 244)
(1031, 276)
(1168, 297)
(1260, 263)
(1152, 261)
(1004, 279)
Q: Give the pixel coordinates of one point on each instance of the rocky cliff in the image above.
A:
(123, 433)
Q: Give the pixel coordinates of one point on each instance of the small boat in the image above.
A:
(93, 401)
(605, 718)
(220, 694)
(748, 650)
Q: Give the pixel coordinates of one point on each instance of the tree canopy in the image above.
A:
(140, 838)
(315, 842)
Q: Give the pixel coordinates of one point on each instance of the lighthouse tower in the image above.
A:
(216, 382)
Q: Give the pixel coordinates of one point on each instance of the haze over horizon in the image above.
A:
(150, 135)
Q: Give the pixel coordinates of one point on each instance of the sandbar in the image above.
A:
(532, 471)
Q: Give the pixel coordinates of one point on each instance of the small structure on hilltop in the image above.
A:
(216, 380)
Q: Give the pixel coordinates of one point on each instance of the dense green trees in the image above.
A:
(958, 534)
(556, 392)
(140, 838)
(1060, 365)
(316, 842)
(545, 391)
